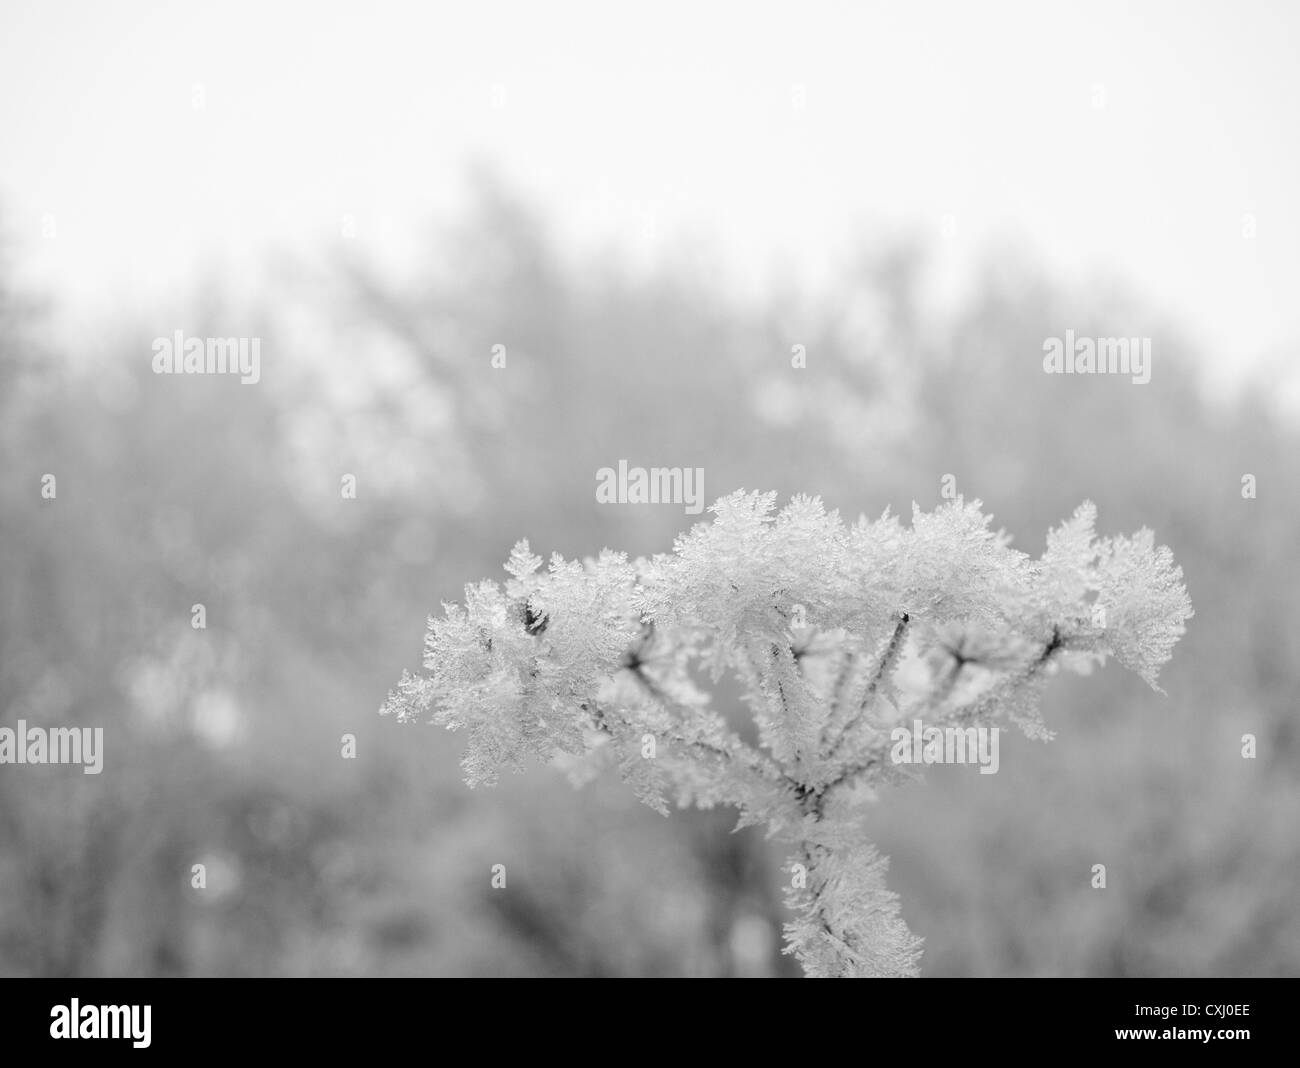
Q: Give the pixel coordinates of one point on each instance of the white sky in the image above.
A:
(641, 125)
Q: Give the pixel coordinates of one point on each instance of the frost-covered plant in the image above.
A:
(835, 631)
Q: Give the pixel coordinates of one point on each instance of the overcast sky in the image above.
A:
(1128, 139)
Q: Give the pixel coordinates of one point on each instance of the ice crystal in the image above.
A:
(835, 632)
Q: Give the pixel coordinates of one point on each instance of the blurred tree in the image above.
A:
(173, 491)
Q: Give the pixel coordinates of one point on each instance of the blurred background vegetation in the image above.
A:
(223, 745)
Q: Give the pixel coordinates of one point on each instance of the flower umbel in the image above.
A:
(834, 630)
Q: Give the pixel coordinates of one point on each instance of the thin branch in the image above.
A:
(990, 700)
(888, 658)
(887, 661)
(747, 757)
